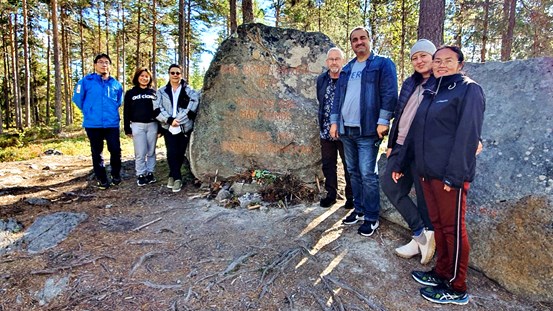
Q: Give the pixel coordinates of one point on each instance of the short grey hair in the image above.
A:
(342, 55)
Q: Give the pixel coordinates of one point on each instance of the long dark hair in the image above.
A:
(137, 74)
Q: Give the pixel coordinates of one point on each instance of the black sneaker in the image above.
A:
(327, 202)
(428, 278)
(444, 295)
(141, 181)
(368, 228)
(353, 218)
(103, 185)
(349, 204)
(150, 178)
(115, 181)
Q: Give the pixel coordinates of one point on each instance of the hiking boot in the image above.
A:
(327, 202)
(150, 178)
(141, 181)
(349, 204)
(103, 185)
(444, 295)
(368, 228)
(408, 250)
(427, 245)
(115, 181)
(177, 185)
(428, 278)
(170, 182)
(353, 218)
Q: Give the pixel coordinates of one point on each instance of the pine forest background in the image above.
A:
(47, 45)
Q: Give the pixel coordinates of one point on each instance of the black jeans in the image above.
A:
(176, 148)
(329, 155)
(416, 216)
(96, 136)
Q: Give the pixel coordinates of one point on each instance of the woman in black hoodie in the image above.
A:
(139, 123)
(444, 138)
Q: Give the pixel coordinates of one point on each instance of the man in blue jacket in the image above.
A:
(98, 96)
(365, 99)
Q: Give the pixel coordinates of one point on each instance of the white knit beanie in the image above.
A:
(423, 45)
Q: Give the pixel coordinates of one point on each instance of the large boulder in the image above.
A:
(258, 107)
(509, 206)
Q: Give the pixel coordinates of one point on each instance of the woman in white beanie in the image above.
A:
(415, 215)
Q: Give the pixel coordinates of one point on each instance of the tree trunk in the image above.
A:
(403, 30)
(188, 40)
(6, 36)
(509, 7)
(65, 61)
(485, 31)
(247, 11)
(431, 21)
(99, 32)
(27, 73)
(81, 43)
(12, 26)
(181, 53)
(57, 69)
(48, 48)
(106, 15)
(138, 21)
(123, 45)
(232, 17)
(154, 43)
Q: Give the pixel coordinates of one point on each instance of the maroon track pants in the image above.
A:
(447, 214)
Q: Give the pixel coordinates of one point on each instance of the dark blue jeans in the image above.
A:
(361, 152)
(96, 136)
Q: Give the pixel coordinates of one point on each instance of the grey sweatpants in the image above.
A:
(144, 136)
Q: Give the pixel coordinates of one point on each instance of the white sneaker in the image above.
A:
(427, 246)
(408, 250)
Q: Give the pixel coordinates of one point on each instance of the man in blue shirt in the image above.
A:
(99, 96)
(365, 99)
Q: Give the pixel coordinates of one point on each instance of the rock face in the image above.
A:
(509, 206)
(47, 231)
(258, 107)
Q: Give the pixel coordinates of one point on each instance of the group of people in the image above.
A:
(432, 145)
(148, 114)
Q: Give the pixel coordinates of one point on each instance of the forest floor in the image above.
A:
(197, 255)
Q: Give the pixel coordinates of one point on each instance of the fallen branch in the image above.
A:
(145, 242)
(334, 297)
(236, 262)
(71, 266)
(147, 224)
(279, 265)
(142, 259)
(160, 286)
(373, 305)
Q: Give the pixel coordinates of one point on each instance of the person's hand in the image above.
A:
(396, 176)
(129, 135)
(175, 123)
(447, 188)
(334, 131)
(388, 152)
(382, 130)
(479, 148)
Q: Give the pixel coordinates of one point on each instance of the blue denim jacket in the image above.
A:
(378, 96)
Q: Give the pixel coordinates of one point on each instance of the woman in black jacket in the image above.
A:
(139, 123)
(444, 138)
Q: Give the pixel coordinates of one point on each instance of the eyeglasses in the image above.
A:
(447, 62)
(100, 62)
(337, 59)
(174, 73)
